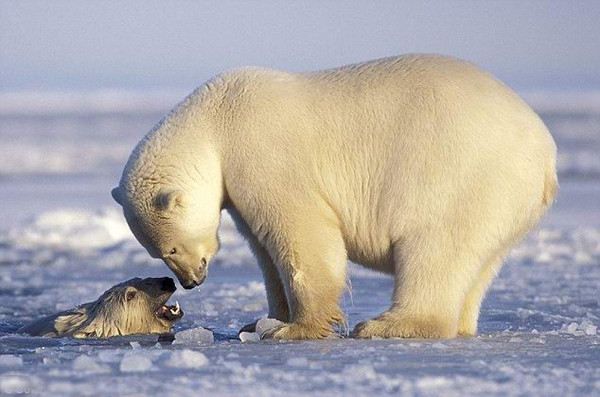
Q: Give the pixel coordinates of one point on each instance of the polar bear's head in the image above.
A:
(172, 190)
(176, 226)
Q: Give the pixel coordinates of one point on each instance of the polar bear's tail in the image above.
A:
(550, 185)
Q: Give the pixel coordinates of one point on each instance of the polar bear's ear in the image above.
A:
(167, 200)
(117, 195)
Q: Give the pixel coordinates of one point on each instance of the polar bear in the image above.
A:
(136, 306)
(420, 166)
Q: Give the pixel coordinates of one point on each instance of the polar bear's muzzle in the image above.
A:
(193, 283)
(189, 277)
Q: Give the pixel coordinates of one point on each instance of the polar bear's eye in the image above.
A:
(173, 251)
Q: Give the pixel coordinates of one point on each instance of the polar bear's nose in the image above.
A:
(191, 284)
(194, 281)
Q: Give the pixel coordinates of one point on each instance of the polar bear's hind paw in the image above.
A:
(398, 328)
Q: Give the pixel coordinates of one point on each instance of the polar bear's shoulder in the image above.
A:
(244, 78)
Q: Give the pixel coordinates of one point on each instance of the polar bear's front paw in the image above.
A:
(388, 327)
(296, 331)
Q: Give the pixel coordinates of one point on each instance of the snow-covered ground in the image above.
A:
(63, 242)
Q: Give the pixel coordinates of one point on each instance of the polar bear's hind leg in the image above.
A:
(469, 314)
(429, 290)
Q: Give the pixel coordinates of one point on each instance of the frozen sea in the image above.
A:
(63, 242)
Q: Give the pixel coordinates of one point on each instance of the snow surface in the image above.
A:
(63, 242)
(186, 358)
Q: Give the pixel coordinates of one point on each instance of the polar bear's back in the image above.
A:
(422, 130)
(394, 147)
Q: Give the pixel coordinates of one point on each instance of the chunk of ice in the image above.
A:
(135, 345)
(135, 362)
(298, 362)
(110, 356)
(89, 365)
(14, 384)
(249, 337)
(8, 360)
(262, 326)
(584, 328)
(265, 324)
(186, 358)
(588, 328)
(194, 335)
(591, 329)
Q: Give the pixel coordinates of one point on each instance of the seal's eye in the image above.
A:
(130, 295)
(203, 261)
(173, 251)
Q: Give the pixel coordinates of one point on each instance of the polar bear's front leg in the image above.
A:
(278, 305)
(312, 265)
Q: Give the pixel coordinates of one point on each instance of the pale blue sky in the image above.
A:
(86, 45)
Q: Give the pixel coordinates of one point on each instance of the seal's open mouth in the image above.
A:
(169, 313)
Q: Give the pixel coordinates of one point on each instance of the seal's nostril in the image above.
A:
(168, 284)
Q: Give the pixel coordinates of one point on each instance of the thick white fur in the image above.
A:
(420, 166)
(112, 314)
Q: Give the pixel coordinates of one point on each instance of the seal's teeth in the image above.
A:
(175, 309)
